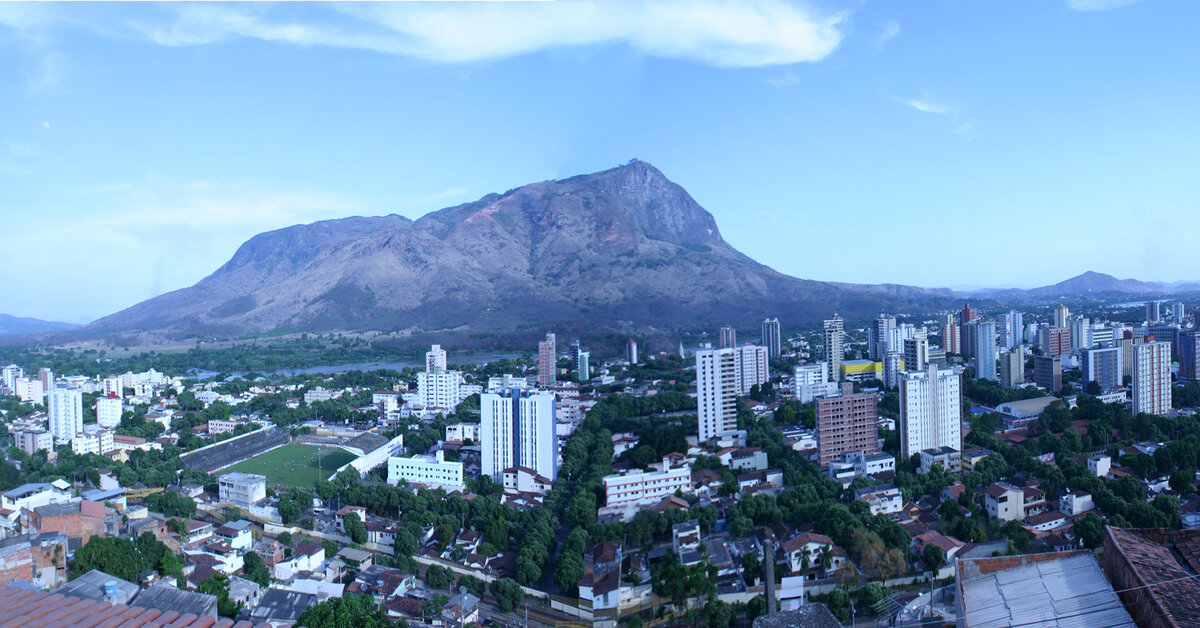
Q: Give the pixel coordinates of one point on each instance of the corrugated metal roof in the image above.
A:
(1062, 593)
(37, 609)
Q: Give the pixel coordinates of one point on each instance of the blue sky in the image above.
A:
(938, 143)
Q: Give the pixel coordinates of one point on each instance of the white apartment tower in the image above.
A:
(108, 411)
(1061, 315)
(439, 389)
(834, 351)
(728, 337)
(65, 409)
(435, 359)
(752, 367)
(770, 336)
(1152, 378)
(716, 391)
(930, 410)
(879, 337)
(517, 429)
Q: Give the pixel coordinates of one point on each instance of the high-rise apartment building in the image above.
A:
(547, 362)
(517, 429)
(9, 375)
(435, 359)
(970, 337)
(1152, 378)
(716, 391)
(916, 354)
(728, 336)
(631, 355)
(439, 389)
(29, 390)
(770, 336)
(1014, 329)
(834, 352)
(1056, 341)
(1081, 334)
(1177, 313)
(1012, 367)
(893, 369)
(1102, 366)
(930, 410)
(1153, 312)
(984, 358)
(969, 313)
(1047, 373)
(951, 335)
(880, 337)
(46, 377)
(752, 367)
(582, 362)
(1189, 356)
(64, 406)
(1062, 315)
(1126, 344)
(847, 423)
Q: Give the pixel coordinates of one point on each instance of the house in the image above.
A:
(30, 496)
(743, 458)
(950, 545)
(197, 532)
(305, 557)
(1075, 503)
(525, 480)
(77, 520)
(804, 554)
(685, 542)
(883, 499)
(1046, 522)
(1004, 502)
(772, 477)
(973, 456)
(340, 516)
(238, 534)
(461, 610)
(383, 583)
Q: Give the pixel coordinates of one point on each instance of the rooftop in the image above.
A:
(90, 586)
(36, 609)
(167, 597)
(1058, 589)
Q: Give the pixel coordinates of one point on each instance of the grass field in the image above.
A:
(295, 465)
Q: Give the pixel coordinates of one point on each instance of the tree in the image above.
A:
(171, 504)
(509, 594)
(355, 528)
(569, 571)
(350, 610)
(1090, 530)
(256, 570)
(284, 538)
(933, 556)
(437, 577)
(473, 585)
(218, 585)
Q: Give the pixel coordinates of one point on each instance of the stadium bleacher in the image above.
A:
(235, 450)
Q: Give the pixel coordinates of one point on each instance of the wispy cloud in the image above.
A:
(786, 80)
(1098, 5)
(963, 125)
(713, 32)
(887, 32)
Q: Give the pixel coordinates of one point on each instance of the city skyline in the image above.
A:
(157, 139)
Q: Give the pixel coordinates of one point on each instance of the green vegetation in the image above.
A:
(124, 558)
(296, 465)
(351, 610)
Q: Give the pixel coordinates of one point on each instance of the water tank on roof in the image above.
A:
(110, 588)
(379, 583)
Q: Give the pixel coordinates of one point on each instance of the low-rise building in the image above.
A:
(432, 470)
(637, 486)
(883, 499)
(948, 458)
(1076, 503)
(242, 489)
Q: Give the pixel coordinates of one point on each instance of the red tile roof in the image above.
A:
(36, 609)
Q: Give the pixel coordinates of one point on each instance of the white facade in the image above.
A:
(1081, 334)
(834, 351)
(716, 391)
(752, 368)
(9, 375)
(435, 359)
(439, 389)
(434, 470)
(108, 411)
(930, 410)
(809, 392)
(1152, 378)
(242, 489)
(518, 430)
(646, 486)
(894, 364)
(92, 440)
(463, 432)
(64, 406)
(29, 390)
(1099, 465)
(806, 374)
(506, 382)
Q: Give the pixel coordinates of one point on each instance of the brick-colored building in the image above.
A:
(1154, 571)
(78, 520)
(847, 423)
(40, 559)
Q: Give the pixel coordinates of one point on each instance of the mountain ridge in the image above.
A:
(615, 251)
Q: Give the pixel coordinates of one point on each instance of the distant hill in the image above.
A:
(18, 326)
(616, 251)
(1090, 283)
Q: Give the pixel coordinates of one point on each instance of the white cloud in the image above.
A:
(1098, 5)
(887, 32)
(721, 33)
(787, 80)
(927, 105)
